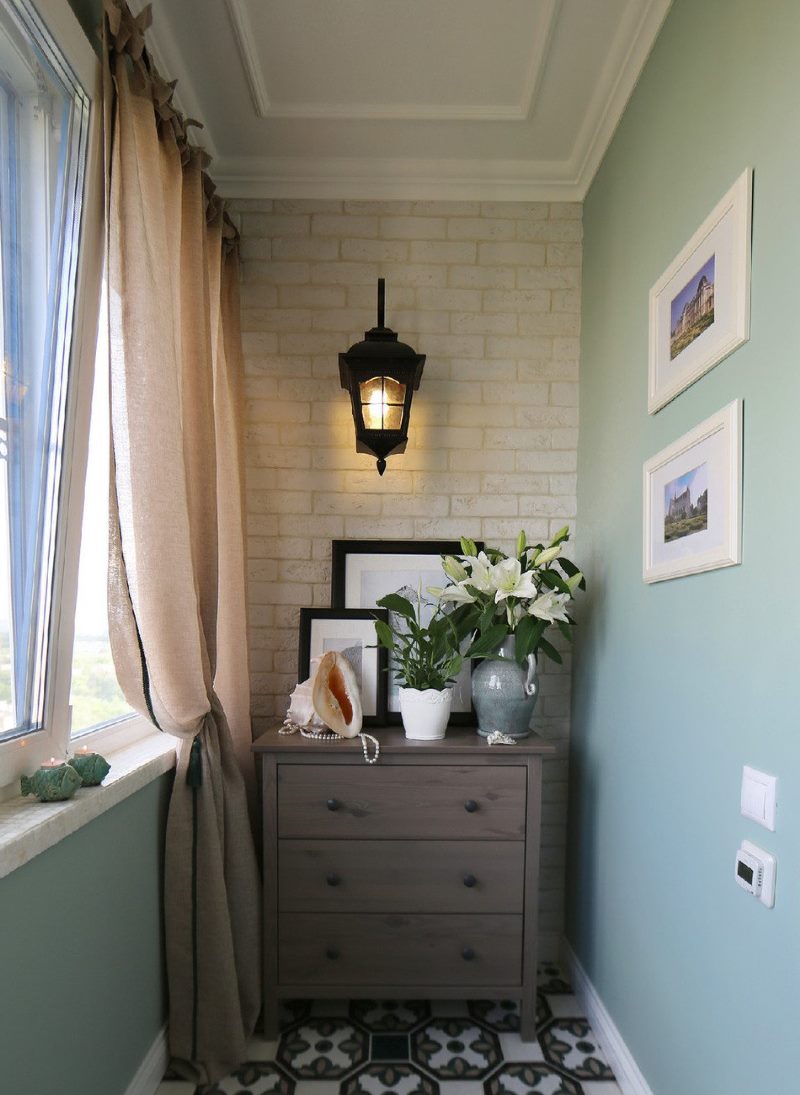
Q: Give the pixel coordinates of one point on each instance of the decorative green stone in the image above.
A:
(51, 784)
(91, 767)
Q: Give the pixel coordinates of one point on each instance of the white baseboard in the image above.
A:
(151, 1071)
(629, 1077)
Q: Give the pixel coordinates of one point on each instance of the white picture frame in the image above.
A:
(709, 278)
(693, 500)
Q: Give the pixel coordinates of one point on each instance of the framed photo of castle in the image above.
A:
(700, 306)
(693, 500)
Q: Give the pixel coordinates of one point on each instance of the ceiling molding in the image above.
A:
(395, 179)
(244, 36)
(620, 75)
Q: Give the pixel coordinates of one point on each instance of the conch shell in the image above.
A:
(329, 698)
(335, 695)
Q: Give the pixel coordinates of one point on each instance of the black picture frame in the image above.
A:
(341, 597)
(308, 649)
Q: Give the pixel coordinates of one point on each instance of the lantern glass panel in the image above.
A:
(382, 399)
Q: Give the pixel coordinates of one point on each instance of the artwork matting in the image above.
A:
(363, 571)
(700, 306)
(693, 500)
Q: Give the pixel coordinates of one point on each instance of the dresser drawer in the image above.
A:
(396, 950)
(408, 876)
(401, 802)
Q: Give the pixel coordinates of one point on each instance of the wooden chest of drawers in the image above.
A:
(414, 877)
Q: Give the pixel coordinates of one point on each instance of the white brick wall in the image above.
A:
(490, 292)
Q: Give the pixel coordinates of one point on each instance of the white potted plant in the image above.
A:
(426, 660)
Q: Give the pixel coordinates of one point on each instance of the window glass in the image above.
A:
(43, 134)
(96, 697)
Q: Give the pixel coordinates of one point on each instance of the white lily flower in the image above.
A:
(551, 606)
(509, 581)
(480, 572)
(457, 593)
(435, 591)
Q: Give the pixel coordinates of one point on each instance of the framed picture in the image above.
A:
(352, 632)
(363, 571)
(693, 500)
(700, 306)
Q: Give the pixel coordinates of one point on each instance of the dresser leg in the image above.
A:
(270, 1016)
(527, 1020)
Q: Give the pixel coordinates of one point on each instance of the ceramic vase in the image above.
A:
(504, 693)
(425, 713)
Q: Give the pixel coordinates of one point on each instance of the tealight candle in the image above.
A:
(52, 763)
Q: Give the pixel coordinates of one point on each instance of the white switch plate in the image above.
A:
(759, 797)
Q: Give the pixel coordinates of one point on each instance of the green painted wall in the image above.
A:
(82, 993)
(679, 684)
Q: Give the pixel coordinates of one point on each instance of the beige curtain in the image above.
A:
(176, 576)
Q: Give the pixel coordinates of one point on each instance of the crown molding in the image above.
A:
(620, 75)
(244, 36)
(394, 179)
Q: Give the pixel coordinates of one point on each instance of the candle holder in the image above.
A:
(51, 783)
(91, 767)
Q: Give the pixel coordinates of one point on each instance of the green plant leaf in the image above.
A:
(571, 571)
(554, 581)
(384, 633)
(395, 603)
(565, 629)
(487, 641)
(548, 649)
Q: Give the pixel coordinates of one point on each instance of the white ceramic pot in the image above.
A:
(425, 713)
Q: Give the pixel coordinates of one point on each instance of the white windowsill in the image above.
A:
(29, 827)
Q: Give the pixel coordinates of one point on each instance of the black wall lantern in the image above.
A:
(381, 375)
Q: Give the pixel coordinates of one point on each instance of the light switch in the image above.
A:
(759, 800)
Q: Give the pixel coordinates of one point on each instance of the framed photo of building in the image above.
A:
(693, 500)
(352, 633)
(363, 571)
(700, 306)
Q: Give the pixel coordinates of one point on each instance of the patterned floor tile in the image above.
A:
(385, 1079)
(322, 1049)
(530, 1079)
(389, 1047)
(550, 979)
(571, 1045)
(461, 1087)
(564, 1007)
(387, 1016)
(514, 1049)
(317, 1087)
(497, 1014)
(330, 1009)
(252, 1078)
(291, 1011)
(456, 1049)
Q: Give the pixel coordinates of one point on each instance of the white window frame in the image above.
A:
(20, 756)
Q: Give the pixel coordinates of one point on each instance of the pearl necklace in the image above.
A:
(290, 727)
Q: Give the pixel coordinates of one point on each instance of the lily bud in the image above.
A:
(468, 547)
(574, 581)
(521, 544)
(453, 569)
(562, 534)
(547, 556)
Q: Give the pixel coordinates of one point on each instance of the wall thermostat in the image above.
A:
(755, 872)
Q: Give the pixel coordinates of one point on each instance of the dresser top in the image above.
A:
(459, 741)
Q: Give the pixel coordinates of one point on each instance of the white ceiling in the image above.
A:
(471, 99)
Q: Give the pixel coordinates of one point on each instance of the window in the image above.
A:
(50, 256)
(43, 137)
(96, 698)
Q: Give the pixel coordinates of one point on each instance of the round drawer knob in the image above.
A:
(468, 954)
(333, 879)
(332, 953)
(470, 806)
(469, 880)
(333, 804)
